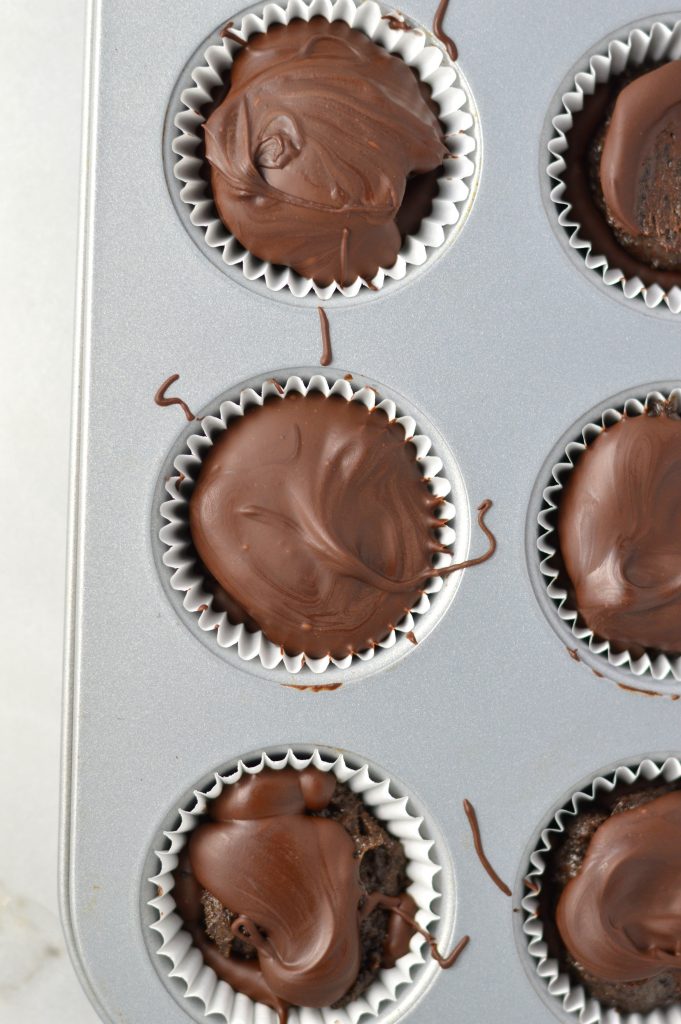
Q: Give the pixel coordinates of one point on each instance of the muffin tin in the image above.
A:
(501, 346)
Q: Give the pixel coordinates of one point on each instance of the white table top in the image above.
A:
(41, 71)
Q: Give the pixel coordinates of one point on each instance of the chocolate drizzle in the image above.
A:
(281, 881)
(397, 23)
(438, 30)
(161, 399)
(322, 137)
(477, 842)
(313, 687)
(327, 354)
(345, 241)
(226, 33)
(483, 509)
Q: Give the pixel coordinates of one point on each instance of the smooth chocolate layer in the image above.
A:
(620, 917)
(619, 532)
(313, 147)
(641, 166)
(599, 182)
(275, 890)
(630, 861)
(314, 517)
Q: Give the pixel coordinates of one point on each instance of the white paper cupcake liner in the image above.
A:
(433, 68)
(188, 577)
(659, 42)
(556, 982)
(216, 995)
(655, 664)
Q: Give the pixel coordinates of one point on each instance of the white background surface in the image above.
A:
(41, 73)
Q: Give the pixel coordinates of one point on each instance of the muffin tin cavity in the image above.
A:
(591, 246)
(561, 992)
(185, 580)
(202, 84)
(649, 671)
(195, 986)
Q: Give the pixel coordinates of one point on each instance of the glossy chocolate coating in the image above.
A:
(312, 148)
(586, 175)
(619, 530)
(640, 167)
(292, 878)
(313, 515)
(620, 917)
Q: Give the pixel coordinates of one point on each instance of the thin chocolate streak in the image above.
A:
(397, 23)
(448, 42)
(391, 903)
(313, 688)
(344, 255)
(411, 638)
(277, 385)
(226, 33)
(327, 354)
(160, 398)
(572, 651)
(483, 509)
(477, 842)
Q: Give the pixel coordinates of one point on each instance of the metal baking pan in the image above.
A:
(502, 344)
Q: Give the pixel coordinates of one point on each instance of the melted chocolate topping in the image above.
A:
(327, 354)
(438, 30)
(161, 399)
(640, 162)
(652, 168)
(291, 879)
(477, 842)
(312, 148)
(620, 917)
(312, 513)
(619, 531)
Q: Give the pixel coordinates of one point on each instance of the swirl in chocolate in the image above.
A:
(313, 514)
(311, 150)
(620, 917)
(619, 530)
(639, 168)
(288, 881)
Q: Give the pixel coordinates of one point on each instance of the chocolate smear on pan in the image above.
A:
(226, 33)
(477, 842)
(397, 23)
(447, 41)
(162, 399)
(327, 354)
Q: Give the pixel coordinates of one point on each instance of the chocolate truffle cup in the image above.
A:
(559, 989)
(649, 665)
(416, 969)
(457, 186)
(189, 577)
(657, 42)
